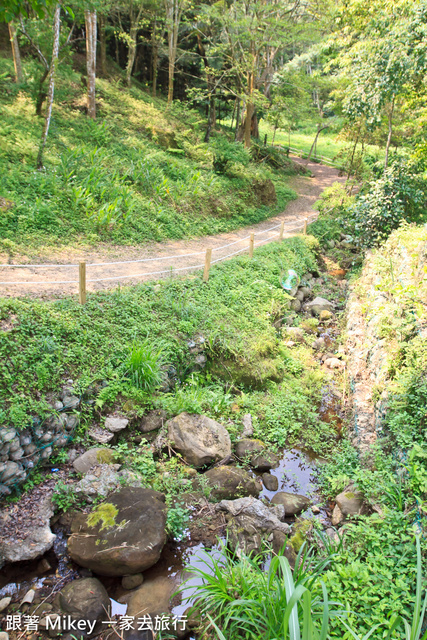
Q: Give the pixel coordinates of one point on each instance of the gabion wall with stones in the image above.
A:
(21, 451)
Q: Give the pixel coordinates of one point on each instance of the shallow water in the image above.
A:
(295, 474)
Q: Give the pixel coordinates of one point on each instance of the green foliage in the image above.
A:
(398, 196)
(65, 498)
(144, 366)
(113, 180)
(140, 459)
(177, 520)
(373, 577)
(243, 600)
(90, 342)
(228, 153)
(105, 515)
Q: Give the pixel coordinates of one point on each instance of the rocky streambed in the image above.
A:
(115, 560)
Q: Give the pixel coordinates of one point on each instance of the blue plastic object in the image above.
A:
(291, 281)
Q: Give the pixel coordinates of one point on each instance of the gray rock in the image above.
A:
(115, 423)
(296, 305)
(93, 457)
(231, 482)
(6, 435)
(71, 422)
(101, 435)
(71, 402)
(351, 501)
(29, 597)
(37, 540)
(122, 536)
(100, 481)
(248, 429)
(293, 503)
(4, 635)
(199, 439)
(17, 454)
(85, 599)
(4, 491)
(250, 522)
(4, 603)
(153, 597)
(11, 472)
(132, 582)
(337, 516)
(295, 333)
(319, 304)
(247, 447)
(265, 461)
(271, 483)
(152, 421)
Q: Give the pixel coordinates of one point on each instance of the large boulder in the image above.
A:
(248, 446)
(250, 523)
(152, 421)
(86, 600)
(319, 304)
(93, 457)
(351, 501)
(153, 598)
(199, 439)
(265, 461)
(122, 536)
(230, 482)
(293, 502)
(32, 540)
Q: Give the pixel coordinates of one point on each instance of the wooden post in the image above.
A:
(207, 265)
(82, 282)
(305, 226)
(282, 228)
(251, 245)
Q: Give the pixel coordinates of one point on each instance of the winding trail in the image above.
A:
(64, 280)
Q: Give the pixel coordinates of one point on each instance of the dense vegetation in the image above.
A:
(161, 136)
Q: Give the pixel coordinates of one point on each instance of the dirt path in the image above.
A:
(57, 281)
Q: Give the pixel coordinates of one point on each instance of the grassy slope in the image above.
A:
(139, 173)
(236, 311)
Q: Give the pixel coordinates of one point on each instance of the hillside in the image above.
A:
(139, 173)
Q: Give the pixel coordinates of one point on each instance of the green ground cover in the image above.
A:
(138, 173)
(99, 345)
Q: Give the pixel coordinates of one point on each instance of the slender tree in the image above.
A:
(173, 10)
(51, 89)
(90, 21)
(15, 51)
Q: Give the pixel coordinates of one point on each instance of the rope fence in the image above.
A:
(82, 267)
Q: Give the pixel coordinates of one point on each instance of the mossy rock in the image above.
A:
(300, 531)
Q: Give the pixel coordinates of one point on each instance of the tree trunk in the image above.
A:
(170, 81)
(131, 52)
(248, 124)
(173, 18)
(15, 51)
(155, 61)
(237, 119)
(314, 145)
(41, 95)
(103, 45)
(51, 89)
(390, 132)
(274, 134)
(211, 116)
(90, 18)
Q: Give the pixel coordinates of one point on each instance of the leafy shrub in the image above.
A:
(227, 153)
(399, 195)
(144, 366)
(177, 520)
